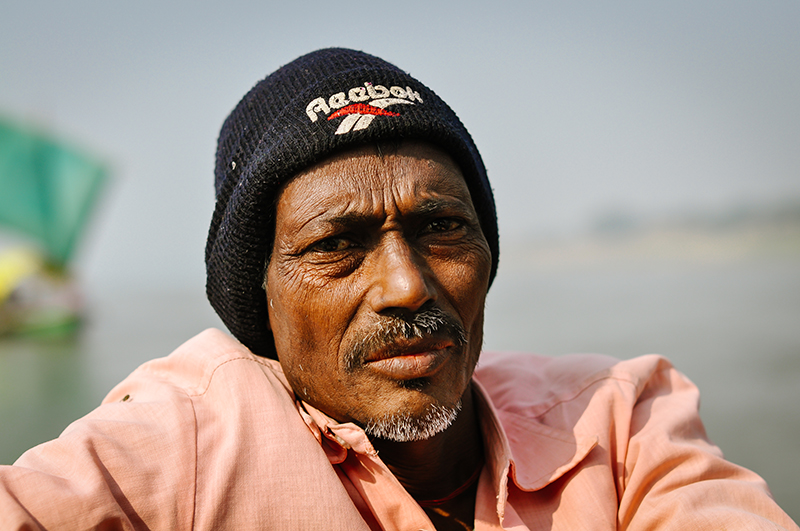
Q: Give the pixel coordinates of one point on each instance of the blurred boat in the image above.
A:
(47, 192)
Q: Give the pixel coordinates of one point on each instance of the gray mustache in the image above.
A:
(389, 329)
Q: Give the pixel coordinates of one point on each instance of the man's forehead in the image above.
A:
(342, 216)
(416, 177)
(363, 160)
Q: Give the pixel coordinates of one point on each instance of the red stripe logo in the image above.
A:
(360, 108)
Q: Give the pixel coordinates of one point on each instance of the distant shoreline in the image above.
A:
(725, 237)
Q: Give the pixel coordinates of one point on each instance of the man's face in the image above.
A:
(376, 288)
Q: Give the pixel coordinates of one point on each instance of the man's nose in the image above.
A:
(401, 278)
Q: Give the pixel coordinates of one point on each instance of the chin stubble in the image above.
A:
(399, 427)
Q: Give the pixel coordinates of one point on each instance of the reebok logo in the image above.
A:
(357, 114)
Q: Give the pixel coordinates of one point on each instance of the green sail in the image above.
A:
(47, 189)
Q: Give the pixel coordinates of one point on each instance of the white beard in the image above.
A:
(404, 428)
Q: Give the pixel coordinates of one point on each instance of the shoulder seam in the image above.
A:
(205, 384)
(196, 463)
(586, 384)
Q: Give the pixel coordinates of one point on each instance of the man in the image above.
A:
(353, 243)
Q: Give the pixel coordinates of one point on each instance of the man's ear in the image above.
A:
(269, 302)
(266, 290)
(270, 306)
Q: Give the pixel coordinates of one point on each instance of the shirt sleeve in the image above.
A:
(674, 478)
(129, 464)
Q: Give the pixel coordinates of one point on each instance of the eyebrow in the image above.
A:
(348, 219)
(422, 209)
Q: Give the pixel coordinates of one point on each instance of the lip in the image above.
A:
(410, 361)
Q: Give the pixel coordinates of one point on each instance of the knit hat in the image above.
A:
(299, 115)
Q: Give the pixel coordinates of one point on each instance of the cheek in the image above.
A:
(293, 304)
(466, 283)
(307, 322)
(298, 345)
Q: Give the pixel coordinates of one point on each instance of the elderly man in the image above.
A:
(350, 253)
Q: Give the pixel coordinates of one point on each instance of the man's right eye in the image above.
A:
(332, 245)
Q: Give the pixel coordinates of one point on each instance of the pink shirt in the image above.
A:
(212, 437)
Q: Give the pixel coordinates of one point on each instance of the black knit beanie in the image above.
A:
(302, 113)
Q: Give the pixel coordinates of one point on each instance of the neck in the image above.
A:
(436, 467)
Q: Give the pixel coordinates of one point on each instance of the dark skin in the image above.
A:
(365, 235)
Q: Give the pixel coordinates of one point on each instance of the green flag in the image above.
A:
(47, 189)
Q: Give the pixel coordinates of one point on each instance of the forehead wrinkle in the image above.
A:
(360, 192)
(372, 187)
(443, 174)
(317, 207)
(429, 184)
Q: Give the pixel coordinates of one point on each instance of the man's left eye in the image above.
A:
(443, 225)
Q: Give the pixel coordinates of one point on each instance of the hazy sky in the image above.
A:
(577, 107)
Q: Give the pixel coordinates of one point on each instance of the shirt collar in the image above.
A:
(334, 437)
(532, 454)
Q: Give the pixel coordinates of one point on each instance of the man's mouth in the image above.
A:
(407, 348)
(408, 359)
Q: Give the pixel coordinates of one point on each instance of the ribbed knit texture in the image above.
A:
(269, 137)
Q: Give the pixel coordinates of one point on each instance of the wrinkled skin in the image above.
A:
(365, 235)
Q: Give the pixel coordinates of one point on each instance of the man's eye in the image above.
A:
(332, 245)
(443, 225)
